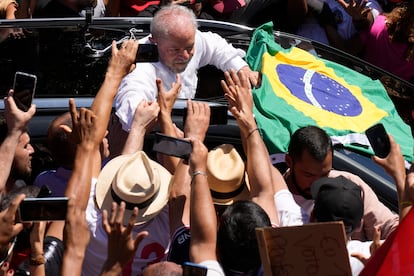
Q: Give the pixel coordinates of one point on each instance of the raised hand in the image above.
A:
(359, 12)
(198, 119)
(16, 119)
(166, 99)
(146, 115)
(122, 60)
(239, 94)
(121, 243)
(83, 126)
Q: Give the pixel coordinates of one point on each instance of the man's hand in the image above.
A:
(166, 99)
(361, 15)
(145, 116)
(83, 126)
(122, 61)
(121, 244)
(198, 119)
(239, 94)
(252, 76)
(16, 119)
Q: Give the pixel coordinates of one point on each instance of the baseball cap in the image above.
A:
(338, 199)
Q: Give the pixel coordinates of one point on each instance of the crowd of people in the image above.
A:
(136, 215)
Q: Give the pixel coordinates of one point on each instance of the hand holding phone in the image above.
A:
(172, 146)
(24, 89)
(379, 140)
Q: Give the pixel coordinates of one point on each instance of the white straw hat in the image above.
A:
(138, 181)
(226, 175)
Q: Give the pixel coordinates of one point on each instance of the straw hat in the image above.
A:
(226, 175)
(138, 181)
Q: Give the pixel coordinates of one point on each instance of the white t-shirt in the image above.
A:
(289, 212)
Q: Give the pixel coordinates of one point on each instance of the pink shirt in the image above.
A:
(384, 54)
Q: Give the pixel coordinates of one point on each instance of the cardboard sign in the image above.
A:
(311, 249)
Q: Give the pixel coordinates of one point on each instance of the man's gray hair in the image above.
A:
(169, 18)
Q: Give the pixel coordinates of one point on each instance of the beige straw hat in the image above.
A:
(138, 181)
(226, 175)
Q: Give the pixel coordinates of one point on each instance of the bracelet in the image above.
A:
(251, 132)
(38, 260)
(195, 173)
(405, 203)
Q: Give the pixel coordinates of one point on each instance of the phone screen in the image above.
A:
(24, 88)
(43, 209)
(147, 53)
(378, 138)
(172, 146)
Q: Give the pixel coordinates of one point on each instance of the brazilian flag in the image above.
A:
(300, 89)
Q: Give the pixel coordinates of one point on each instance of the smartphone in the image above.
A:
(379, 140)
(172, 146)
(218, 114)
(147, 53)
(24, 87)
(192, 269)
(43, 209)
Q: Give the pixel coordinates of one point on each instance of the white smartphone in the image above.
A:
(24, 89)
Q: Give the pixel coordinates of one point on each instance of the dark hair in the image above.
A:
(312, 139)
(400, 25)
(236, 238)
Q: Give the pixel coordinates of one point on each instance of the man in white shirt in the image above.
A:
(182, 51)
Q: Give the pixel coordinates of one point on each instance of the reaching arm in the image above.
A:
(121, 63)
(393, 164)
(196, 125)
(166, 100)
(16, 121)
(145, 118)
(203, 218)
(259, 169)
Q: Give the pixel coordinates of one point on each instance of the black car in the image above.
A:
(69, 57)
